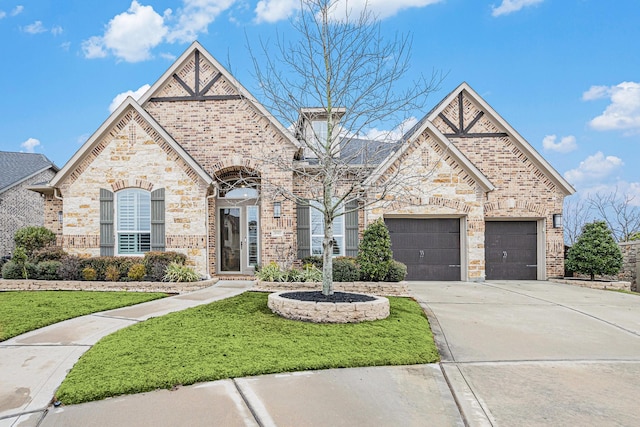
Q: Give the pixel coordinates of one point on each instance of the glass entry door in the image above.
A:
(238, 239)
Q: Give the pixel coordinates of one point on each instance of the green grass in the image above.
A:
(239, 337)
(24, 311)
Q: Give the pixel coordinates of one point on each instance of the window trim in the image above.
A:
(338, 232)
(138, 232)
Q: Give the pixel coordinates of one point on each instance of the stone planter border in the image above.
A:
(329, 312)
(596, 284)
(64, 285)
(369, 288)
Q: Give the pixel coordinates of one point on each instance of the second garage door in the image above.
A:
(511, 250)
(429, 247)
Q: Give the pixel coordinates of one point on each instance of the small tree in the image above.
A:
(374, 253)
(32, 238)
(595, 251)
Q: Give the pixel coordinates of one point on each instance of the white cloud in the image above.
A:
(94, 48)
(393, 134)
(276, 10)
(624, 111)
(194, 18)
(566, 144)
(594, 167)
(17, 10)
(122, 96)
(30, 144)
(35, 28)
(57, 30)
(510, 6)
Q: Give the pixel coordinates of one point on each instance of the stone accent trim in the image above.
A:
(79, 241)
(596, 284)
(186, 241)
(369, 288)
(138, 183)
(328, 312)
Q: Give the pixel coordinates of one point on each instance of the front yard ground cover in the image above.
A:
(24, 311)
(239, 337)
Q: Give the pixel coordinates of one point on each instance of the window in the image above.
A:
(317, 230)
(133, 221)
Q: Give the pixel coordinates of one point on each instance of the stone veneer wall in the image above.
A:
(20, 207)
(440, 189)
(631, 263)
(522, 189)
(133, 155)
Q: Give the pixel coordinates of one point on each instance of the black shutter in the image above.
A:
(304, 230)
(107, 234)
(351, 228)
(157, 220)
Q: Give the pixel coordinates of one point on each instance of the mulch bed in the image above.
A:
(318, 296)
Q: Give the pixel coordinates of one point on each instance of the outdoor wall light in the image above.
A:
(557, 220)
(277, 209)
(60, 217)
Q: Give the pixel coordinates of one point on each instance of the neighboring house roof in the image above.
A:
(106, 126)
(18, 167)
(447, 145)
(179, 63)
(516, 138)
(367, 152)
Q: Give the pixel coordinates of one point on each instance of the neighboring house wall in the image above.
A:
(133, 156)
(522, 188)
(20, 207)
(631, 263)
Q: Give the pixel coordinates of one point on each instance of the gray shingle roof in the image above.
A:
(16, 167)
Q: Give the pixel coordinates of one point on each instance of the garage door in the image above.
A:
(429, 247)
(511, 250)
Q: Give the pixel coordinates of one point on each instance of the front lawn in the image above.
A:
(24, 311)
(239, 337)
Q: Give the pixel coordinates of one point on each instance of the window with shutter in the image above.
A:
(133, 221)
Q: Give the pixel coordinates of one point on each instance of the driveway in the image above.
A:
(537, 353)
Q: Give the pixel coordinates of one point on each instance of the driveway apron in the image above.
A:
(537, 353)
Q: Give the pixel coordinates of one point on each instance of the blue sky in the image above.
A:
(564, 73)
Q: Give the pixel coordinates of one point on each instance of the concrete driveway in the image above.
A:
(537, 353)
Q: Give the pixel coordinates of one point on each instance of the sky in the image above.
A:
(564, 73)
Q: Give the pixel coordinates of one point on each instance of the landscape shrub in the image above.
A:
(112, 274)
(313, 259)
(156, 263)
(89, 273)
(271, 273)
(14, 270)
(103, 263)
(136, 272)
(180, 273)
(345, 269)
(48, 253)
(595, 252)
(397, 272)
(374, 252)
(70, 268)
(310, 273)
(32, 238)
(48, 270)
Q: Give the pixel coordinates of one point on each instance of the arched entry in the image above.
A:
(238, 219)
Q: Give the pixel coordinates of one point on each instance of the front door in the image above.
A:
(238, 239)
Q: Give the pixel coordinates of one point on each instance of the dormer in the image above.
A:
(312, 130)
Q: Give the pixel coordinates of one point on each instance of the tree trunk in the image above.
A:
(327, 256)
(593, 276)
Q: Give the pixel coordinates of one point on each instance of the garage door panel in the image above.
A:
(511, 250)
(429, 247)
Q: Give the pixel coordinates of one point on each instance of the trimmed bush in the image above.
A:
(310, 273)
(15, 270)
(271, 273)
(70, 268)
(48, 253)
(48, 270)
(136, 272)
(180, 273)
(89, 273)
(156, 263)
(345, 269)
(595, 252)
(397, 272)
(112, 274)
(313, 259)
(32, 238)
(374, 252)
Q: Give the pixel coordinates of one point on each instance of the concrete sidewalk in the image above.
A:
(33, 365)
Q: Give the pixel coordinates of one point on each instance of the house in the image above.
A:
(20, 207)
(179, 170)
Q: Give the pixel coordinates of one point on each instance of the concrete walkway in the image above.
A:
(514, 353)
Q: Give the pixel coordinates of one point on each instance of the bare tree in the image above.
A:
(619, 212)
(576, 214)
(339, 64)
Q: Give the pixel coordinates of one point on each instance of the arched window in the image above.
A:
(133, 221)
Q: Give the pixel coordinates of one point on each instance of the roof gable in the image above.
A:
(196, 76)
(447, 147)
(97, 141)
(18, 167)
(458, 120)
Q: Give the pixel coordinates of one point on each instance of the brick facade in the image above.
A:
(20, 207)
